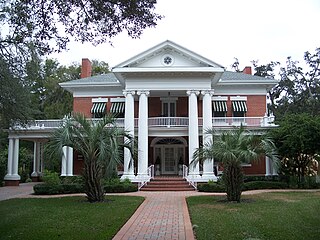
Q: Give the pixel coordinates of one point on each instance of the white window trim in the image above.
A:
(239, 98)
(97, 100)
(118, 99)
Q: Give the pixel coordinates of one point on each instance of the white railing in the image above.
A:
(185, 171)
(162, 122)
(150, 173)
(237, 121)
(168, 121)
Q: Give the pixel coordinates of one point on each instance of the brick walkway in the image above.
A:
(163, 215)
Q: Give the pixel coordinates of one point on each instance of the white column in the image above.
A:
(193, 131)
(10, 160)
(36, 159)
(13, 160)
(268, 169)
(69, 161)
(143, 134)
(128, 162)
(208, 173)
(64, 162)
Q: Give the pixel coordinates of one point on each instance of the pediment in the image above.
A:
(167, 54)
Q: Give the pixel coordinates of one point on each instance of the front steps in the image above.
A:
(167, 183)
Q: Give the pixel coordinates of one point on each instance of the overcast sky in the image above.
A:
(220, 30)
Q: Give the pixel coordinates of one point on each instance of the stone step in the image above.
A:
(167, 183)
(166, 189)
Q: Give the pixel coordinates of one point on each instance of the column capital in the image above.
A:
(145, 92)
(126, 92)
(207, 91)
(196, 92)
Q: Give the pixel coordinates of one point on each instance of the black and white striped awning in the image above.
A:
(220, 106)
(239, 106)
(98, 107)
(117, 107)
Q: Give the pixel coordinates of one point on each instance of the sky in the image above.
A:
(219, 30)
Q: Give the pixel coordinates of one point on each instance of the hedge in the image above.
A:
(254, 185)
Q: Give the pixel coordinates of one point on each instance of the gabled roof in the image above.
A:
(165, 47)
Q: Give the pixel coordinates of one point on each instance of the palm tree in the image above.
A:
(98, 142)
(232, 148)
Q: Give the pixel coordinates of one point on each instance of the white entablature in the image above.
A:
(166, 64)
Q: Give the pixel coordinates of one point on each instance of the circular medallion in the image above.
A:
(167, 60)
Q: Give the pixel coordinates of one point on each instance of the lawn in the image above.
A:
(65, 218)
(291, 215)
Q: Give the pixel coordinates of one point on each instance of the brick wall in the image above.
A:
(82, 105)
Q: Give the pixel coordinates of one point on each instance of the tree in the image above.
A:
(98, 142)
(298, 90)
(39, 27)
(232, 148)
(297, 139)
(45, 23)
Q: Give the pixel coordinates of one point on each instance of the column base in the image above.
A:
(11, 183)
(131, 177)
(36, 178)
(206, 177)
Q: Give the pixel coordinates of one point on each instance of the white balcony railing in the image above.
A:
(168, 121)
(162, 122)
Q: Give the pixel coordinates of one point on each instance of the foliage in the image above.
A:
(56, 22)
(269, 216)
(15, 102)
(297, 139)
(98, 142)
(233, 147)
(252, 185)
(47, 218)
(298, 90)
(256, 185)
(211, 187)
(30, 29)
(51, 178)
(117, 186)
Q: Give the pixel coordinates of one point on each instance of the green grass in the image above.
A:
(294, 215)
(65, 218)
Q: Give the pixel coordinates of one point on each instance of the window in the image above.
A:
(219, 108)
(98, 109)
(168, 108)
(239, 108)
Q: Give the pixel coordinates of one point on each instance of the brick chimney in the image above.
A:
(247, 70)
(86, 68)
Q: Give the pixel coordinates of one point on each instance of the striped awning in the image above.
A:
(98, 107)
(239, 106)
(220, 106)
(117, 107)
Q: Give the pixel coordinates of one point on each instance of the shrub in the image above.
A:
(255, 185)
(211, 187)
(274, 178)
(117, 186)
(51, 178)
(45, 189)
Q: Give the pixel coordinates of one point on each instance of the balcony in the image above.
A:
(161, 122)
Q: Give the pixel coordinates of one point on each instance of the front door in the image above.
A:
(169, 161)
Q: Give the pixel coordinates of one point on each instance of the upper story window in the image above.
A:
(239, 106)
(168, 107)
(219, 106)
(98, 109)
(117, 107)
